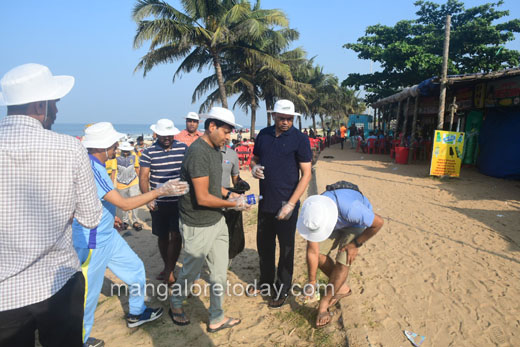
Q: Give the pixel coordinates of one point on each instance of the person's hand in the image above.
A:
(241, 203)
(118, 223)
(286, 211)
(352, 252)
(258, 172)
(152, 205)
(174, 187)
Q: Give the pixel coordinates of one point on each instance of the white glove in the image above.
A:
(258, 172)
(174, 187)
(241, 203)
(286, 211)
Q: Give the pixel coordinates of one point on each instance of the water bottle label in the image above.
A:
(251, 200)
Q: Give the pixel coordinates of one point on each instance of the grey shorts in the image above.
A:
(338, 239)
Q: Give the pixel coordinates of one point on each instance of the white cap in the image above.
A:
(192, 115)
(126, 146)
(285, 107)
(33, 82)
(222, 114)
(164, 127)
(317, 218)
(101, 135)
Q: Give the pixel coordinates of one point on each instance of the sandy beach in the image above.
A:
(446, 265)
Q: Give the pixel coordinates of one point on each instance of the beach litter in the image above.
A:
(415, 339)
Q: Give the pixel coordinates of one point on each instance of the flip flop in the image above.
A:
(180, 315)
(137, 226)
(336, 298)
(226, 325)
(323, 315)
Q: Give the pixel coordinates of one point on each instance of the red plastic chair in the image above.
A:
(359, 144)
(244, 156)
(381, 146)
(371, 146)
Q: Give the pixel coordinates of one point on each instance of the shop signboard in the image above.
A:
(447, 153)
(504, 92)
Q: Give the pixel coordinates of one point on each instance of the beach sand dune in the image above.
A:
(446, 265)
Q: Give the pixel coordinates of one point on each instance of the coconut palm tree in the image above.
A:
(200, 34)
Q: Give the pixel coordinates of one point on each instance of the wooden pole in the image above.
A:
(405, 123)
(453, 110)
(414, 126)
(397, 119)
(442, 94)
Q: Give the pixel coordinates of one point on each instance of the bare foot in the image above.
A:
(226, 322)
(323, 318)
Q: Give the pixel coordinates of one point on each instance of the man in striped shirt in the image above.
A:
(159, 163)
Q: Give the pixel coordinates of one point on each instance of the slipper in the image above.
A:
(160, 276)
(323, 315)
(180, 315)
(278, 303)
(336, 298)
(226, 325)
(137, 226)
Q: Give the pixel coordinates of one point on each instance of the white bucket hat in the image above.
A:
(222, 114)
(101, 135)
(193, 115)
(33, 82)
(164, 127)
(317, 218)
(285, 107)
(126, 146)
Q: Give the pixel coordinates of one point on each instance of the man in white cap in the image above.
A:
(103, 247)
(159, 163)
(282, 161)
(127, 182)
(191, 133)
(46, 181)
(340, 218)
(203, 227)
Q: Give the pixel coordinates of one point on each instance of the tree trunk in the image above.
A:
(268, 107)
(253, 115)
(322, 125)
(220, 79)
(314, 123)
(300, 122)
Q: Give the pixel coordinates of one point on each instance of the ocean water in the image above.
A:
(132, 130)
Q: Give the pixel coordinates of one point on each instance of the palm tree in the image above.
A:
(200, 34)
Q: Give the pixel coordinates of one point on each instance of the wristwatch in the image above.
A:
(228, 195)
(357, 243)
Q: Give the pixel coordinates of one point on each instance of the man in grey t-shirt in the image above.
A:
(203, 228)
(230, 167)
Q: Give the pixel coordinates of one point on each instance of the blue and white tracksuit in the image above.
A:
(103, 247)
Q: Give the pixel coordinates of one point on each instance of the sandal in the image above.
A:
(160, 276)
(137, 226)
(227, 324)
(336, 298)
(179, 315)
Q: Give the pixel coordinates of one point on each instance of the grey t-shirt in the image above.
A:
(201, 160)
(230, 166)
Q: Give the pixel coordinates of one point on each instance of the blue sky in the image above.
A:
(92, 40)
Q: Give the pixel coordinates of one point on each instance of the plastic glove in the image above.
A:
(241, 205)
(174, 187)
(258, 172)
(152, 205)
(286, 211)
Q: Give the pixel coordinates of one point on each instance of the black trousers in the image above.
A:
(59, 319)
(270, 228)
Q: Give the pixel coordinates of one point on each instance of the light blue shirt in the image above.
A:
(93, 238)
(354, 209)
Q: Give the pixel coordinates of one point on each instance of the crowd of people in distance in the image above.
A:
(60, 198)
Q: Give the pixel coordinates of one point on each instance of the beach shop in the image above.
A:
(484, 106)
